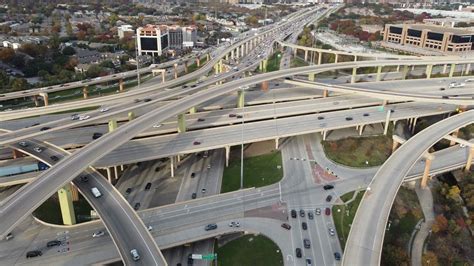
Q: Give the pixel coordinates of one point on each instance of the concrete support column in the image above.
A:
(320, 58)
(74, 193)
(413, 125)
(354, 75)
(109, 174)
(121, 167)
(181, 123)
(35, 99)
(131, 116)
(305, 55)
(193, 110)
(232, 54)
(405, 72)
(85, 92)
(198, 62)
(379, 74)
(178, 158)
(468, 69)
(242, 51)
(172, 166)
(18, 154)
(469, 159)
(395, 146)
(387, 122)
(240, 98)
(277, 142)
(325, 93)
(295, 52)
(116, 172)
(186, 67)
(324, 133)
(208, 57)
(426, 173)
(361, 129)
(216, 69)
(454, 134)
(429, 69)
(66, 205)
(45, 98)
(227, 155)
(112, 125)
(121, 87)
(445, 68)
(175, 71)
(355, 58)
(451, 70)
(336, 57)
(311, 77)
(221, 66)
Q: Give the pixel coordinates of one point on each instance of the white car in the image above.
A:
(462, 145)
(84, 117)
(37, 149)
(98, 234)
(331, 232)
(105, 109)
(149, 228)
(158, 125)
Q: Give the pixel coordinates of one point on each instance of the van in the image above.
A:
(96, 192)
(135, 255)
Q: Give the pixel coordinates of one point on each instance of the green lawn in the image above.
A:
(50, 211)
(274, 62)
(343, 215)
(259, 171)
(355, 152)
(249, 250)
(298, 62)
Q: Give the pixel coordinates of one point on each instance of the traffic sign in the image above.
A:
(209, 257)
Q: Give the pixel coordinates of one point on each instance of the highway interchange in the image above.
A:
(291, 125)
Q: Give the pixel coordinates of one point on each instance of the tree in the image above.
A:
(440, 224)
(4, 81)
(19, 84)
(93, 71)
(68, 50)
(107, 63)
(7, 54)
(453, 193)
(429, 259)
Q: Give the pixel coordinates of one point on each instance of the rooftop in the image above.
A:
(436, 28)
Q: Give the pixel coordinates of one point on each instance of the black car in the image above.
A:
(306, 243)
(348, 118)
(44, 128)
(96, 135)
(320, 117)
(201, 119)
(157, 169)
(302, 213)
(147, 100)
(53, 243)
(193, 196)
(310, 215)
(328, 198)
(128, 191)
(328, 187)
(84, 178)
(304, 225)
(193, 175)
(210, 227)
(33, 253)
(148, 186)
(137, 206)
(337, 256)
(54, 158)
(298, 253)
(293, 213)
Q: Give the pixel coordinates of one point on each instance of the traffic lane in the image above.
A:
(163, 146)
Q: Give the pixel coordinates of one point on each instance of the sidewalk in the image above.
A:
(426, 201)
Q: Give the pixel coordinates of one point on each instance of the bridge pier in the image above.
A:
(325, 93)
(175, 71)
(186, 67)
(66, 205)
(35, 99)
(227, 155)
(240, 99)
(121, 87)
(445, 68)
(277, 142)
(216, 68)
(131, 116)
(335, 58)
(379, 74)
(387, 122)
(320, 58)
(193, 110)
(181, 123)
(405, 72)
(468, 69)
(469, 159)
(112, 125)
(324, 133)
(45, 98)
(305, 55)
(454, 134)
(109, 174)
(221, 66)
(172, 166)
(354, 75)
(311, 77)
(426, 172)
(85, 92)
(397, 140)
(208, 57)
(413, 125)
(429, 70)
(451, 70)
(361, 129)
(232, 54)
(355, 58)
(198, 61)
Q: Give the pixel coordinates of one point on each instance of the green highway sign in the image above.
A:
(209, 257)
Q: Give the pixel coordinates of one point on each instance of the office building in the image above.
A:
(152, 40)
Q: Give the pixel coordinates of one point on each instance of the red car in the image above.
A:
(328, 211)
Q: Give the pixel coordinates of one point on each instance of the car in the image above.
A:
(328, 187)
(137, 100)
(190, 260)
(193, 86)
(157, 169)
(158, 125)
(128, 191)
(148, 186)
(104, 109)
(234, 224)
(310, 215)
(210, 227)
(232, 115)
(33, 253)
(193, 175)
(74, 117)
(135, 255)
(203, 190)
(54, 158)
(9, 236)
(286, 226)
(331, 232)
(84, 178)
(306, 243)
(304, 225)
(98, 234)
(366, 114)
(327, 211)
(96, 192)
(302, 213)
(96, 135)
(318, 211)
(392, 111)
(149, 228)
(298, 253)
(84, 117)
(308, 262)
(201, 120)
(328, 198)
(320, 117)
(23, 144)
(208, 166)
(293, 213)
(38, 149)
(337, 256)
(193, 196)
(239, 116)
(348, 118)
(196, 143)
(462, 145)
(147, 100)
(44, 128)
(136, 206)
(53, 243)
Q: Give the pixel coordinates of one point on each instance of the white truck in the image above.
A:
(96, 192)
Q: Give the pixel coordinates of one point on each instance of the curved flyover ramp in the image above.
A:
(365, 241)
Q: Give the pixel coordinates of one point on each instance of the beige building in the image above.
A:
(443, 39)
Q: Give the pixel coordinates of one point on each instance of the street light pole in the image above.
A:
(136, 59)
(242, 145)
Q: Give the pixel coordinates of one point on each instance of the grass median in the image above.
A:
(343, 215)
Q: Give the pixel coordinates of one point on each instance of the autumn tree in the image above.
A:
(440, 224)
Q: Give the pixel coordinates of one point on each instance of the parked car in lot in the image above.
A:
(53, 243)
(286, 226)
(302, 213)
(304, 225)
(318, 211)
(54, 158)
(293, 213)
(310, 215)
(328, 198)
(23, 144)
